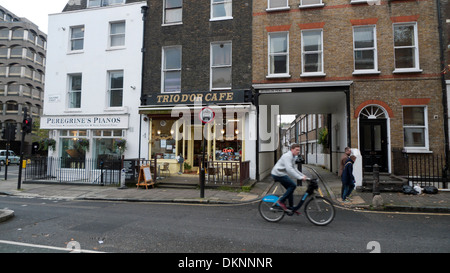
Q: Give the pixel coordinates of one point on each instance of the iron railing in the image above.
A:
(426, 170)
(69, 170)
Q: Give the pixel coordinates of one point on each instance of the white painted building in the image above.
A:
(93, 83)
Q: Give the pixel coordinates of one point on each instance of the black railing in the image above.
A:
(426, 170)
(69, 170)
(228, 172)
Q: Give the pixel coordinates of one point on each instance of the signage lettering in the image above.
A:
(213, 97)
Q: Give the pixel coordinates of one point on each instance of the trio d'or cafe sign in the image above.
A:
(213, 97)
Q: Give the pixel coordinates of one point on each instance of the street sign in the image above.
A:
(207, 115)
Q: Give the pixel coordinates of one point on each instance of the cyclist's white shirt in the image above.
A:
(286, 166)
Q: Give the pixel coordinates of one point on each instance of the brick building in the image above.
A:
(373, 67)
(198, 50)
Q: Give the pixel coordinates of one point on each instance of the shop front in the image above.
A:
(175, 130)
(87, 137)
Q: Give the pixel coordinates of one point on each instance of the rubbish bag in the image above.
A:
(430, 189)
(418, 189)
(408, 190)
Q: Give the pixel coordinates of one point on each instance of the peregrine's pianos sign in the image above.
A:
(84, 122)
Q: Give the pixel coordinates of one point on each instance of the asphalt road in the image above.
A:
(172, 228)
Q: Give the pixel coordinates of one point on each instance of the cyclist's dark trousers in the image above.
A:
(289, 185)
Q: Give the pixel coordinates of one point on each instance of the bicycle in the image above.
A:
(318, 210)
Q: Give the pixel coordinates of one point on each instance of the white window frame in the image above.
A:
(278, 75)
(222, 2)
(320, 51)
(412, 149)
(71, 39)
(110, 89)
(220, 66)
(164, 15)
(286, 7)
(374, 49)
(103, 3)
(164, 70)
(416, 49)
(70, 91)
(111, 35)
(315, 5)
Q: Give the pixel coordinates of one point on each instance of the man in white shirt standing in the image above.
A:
(284, 168)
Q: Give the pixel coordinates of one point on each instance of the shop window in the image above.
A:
(163, 139)
(74, 146)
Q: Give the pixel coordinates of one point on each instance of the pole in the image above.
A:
(202, 170)
(19, 180)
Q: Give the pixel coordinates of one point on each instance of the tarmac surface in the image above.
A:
(330, 186)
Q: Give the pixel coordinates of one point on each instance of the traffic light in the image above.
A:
(11, 132)
(4, 136)
(27, 125)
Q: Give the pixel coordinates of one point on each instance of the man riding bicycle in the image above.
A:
(281, 172)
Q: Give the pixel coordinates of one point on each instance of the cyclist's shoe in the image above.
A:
(283, 206)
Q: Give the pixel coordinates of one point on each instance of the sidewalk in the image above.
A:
(332, 185)
(393, 201)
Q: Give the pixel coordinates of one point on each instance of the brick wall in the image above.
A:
(336, 19)
(195, 36)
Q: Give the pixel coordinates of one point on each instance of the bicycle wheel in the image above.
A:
(269, 210)
(319, 211)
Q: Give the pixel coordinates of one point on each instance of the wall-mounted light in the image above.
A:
(158, 132)
(237, 132)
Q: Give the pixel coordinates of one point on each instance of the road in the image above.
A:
(168, 228)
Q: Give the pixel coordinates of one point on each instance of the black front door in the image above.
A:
(373, 143)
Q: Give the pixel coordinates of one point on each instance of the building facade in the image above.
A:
(22, 74)
(94, 80)
(373, 67)
(198, 54)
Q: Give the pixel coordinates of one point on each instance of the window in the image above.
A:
(3, 52)
(18, 34)
(415, 126)
(221, 65)
(406, 47)
(76, 38)
(75, 84)
(115, 89)
(278, 4)
(4, 34)
(221, 9)
(104, 144)
(103, 3)
(279, 54)
(173, 11)
(15, 71)
(171, 69)
(307, 3)
(312, 53)
(365, 49)
(16, 52)
(117, 34)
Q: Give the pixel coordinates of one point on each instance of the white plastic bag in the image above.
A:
(418, 189)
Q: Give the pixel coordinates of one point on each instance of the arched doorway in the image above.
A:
(373, 138)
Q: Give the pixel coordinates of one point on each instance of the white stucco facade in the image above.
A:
(93, 82)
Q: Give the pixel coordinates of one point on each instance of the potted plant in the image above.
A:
(120, 144)
(45, 143)
(83, 144)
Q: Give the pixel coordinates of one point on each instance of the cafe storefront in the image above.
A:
(175, 129)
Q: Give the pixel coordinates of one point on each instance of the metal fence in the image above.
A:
(69, 170)
(427, 170)
(228, 172)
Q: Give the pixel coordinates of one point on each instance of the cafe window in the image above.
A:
(228, 140)
(163, 139)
